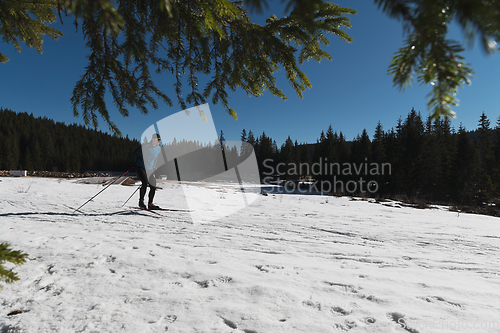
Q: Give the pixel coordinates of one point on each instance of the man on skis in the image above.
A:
(143, 160)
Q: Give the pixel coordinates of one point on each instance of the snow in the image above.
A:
(284, 263)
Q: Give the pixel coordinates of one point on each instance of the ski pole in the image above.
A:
(131, 195)
(100, 191)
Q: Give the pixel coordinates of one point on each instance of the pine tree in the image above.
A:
(378, 147)
(266, 151)
(252, 142)
(392, 143)
(321, 150)
(466, 170)
(412, 143)
(330, 143)
(487, 157)
(15, 151)
(305, 160)
(13, 256)
(251, 138)
(431, 159)
(497, 152)
(245, 149)
(3, 151)
(447, 144)
(287, 157)
(362, 148)
(379, 157)
(344, 155)
(243, 135)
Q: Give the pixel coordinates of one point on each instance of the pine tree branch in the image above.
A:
(428, 53)
(13, 256)
(120, 56)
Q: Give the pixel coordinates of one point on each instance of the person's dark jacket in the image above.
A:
(144, 153)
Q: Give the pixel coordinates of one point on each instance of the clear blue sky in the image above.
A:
(351, 92)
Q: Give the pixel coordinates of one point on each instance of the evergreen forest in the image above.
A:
(40, 144)
(419, 158)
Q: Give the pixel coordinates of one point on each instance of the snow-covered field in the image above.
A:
(286, 263)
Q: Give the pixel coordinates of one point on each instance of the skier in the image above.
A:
(144, 157)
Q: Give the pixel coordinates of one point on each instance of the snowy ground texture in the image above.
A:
(286, 263)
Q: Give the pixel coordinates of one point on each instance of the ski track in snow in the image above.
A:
(286, 263)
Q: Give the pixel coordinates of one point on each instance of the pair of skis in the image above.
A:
(156, 211)
(130, 207)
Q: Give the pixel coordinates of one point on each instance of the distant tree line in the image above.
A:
(420, 158)
(29, 143)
